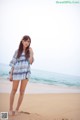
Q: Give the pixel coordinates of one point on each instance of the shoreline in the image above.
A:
(37, 88)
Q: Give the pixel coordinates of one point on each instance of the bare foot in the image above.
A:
(16, 112)
(11, 112)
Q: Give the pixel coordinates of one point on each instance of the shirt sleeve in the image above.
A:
(14, 60)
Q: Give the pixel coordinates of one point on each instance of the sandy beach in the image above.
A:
(38, 105)
(44, 106)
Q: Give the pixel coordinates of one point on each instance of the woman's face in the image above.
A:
(25, 43)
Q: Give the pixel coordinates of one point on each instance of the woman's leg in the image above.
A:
(22, 90)
(14, 89)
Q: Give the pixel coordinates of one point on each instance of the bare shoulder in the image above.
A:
(31, 50)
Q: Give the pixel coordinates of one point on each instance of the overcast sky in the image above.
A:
(54, 30)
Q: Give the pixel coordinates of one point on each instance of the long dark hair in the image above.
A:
(20, 49)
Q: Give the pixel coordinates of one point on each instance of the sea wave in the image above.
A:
(45, 77)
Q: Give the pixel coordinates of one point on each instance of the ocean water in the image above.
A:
(45, 77)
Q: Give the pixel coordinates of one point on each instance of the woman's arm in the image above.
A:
(14, 59)
(12, 70)
(11, 74)
(31, 58)
(11, 64)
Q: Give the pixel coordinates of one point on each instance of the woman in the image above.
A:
(20, 71)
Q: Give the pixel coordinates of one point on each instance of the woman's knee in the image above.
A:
(21, 92)
(14, 91)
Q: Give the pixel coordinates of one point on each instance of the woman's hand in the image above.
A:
(10, 77)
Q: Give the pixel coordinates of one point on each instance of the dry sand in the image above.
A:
(42, 102)
(44, 106)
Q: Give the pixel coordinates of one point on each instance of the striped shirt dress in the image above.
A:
(21, 67)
